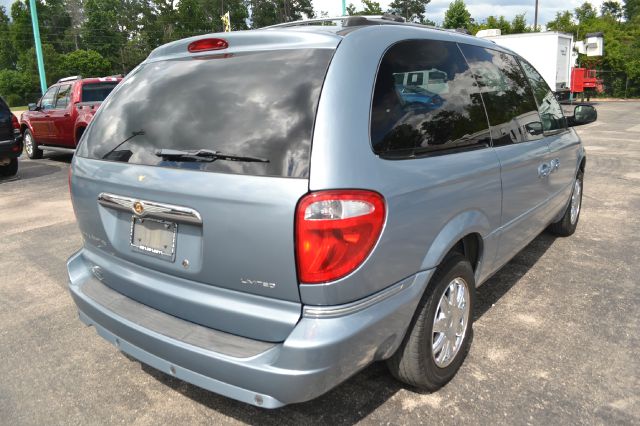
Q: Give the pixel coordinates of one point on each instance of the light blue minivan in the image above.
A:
(264, 213)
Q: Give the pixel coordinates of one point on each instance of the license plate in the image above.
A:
(154, 237)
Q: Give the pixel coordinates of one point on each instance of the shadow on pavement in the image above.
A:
(30, 169)
(363, 393)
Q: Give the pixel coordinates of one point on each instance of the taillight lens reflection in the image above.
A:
(335, 232)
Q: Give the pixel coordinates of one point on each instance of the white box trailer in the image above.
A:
(550, 52)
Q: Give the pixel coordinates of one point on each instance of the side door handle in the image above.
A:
(544, 170)
(555, 164)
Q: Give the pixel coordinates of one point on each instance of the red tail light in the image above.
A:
(15, 122)
(206, 44)
(335, 232)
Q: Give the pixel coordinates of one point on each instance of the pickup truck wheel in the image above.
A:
(439, 336)
(10, 169)
(30, 146)
(569, 222)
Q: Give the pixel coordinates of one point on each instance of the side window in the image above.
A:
(48, 100)
(549, 108)
(414, 116)
(63, 96)
(511, 107)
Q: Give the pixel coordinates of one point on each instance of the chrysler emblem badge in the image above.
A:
(138, 208)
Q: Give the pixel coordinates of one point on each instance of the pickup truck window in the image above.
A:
(63, 97)
(48, 100)
(97, 92)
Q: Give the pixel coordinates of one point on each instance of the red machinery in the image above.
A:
(583, 79)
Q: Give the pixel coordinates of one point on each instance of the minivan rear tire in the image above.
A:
(567, 225)
(414, 363)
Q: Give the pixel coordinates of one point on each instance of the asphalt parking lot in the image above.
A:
(556, 339)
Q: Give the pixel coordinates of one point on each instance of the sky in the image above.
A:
(479, 9)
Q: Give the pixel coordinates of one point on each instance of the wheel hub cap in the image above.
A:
(576, 200)
(450, 322)
(28, 144)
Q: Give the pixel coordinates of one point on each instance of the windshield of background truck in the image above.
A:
(255, 104)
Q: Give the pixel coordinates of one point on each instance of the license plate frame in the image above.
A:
(154, 237)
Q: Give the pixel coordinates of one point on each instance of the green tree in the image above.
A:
(370, 8)
(16, 87)
(87, 63)
(457, 16)
(271, 12)
(28, 65)
(563, 22)
(585, 13)
(103, 29)
(411, 10)
(631, 9)
(613, 9)
(8, 56)
(519, 24)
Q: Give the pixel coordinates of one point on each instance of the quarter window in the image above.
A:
(511, 108)
(425, 101)
(549, 108)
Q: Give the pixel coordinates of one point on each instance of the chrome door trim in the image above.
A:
(150, 209)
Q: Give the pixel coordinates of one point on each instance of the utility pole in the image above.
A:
(344, 7)
(36, 38)
(535, 19)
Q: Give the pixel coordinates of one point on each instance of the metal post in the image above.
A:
(626, 86)
(36, 38)
(344, 7)
(535, 19)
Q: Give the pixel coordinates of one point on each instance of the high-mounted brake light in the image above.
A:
(335, 232)
(206, 44)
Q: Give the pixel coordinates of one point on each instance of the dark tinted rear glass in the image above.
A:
(96, 92)
(426, 102)
(258, 104)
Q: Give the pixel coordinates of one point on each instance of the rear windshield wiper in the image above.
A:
(204, 155)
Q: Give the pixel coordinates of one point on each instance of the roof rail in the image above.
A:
(360, 20)
(343, 21)
(72, 78)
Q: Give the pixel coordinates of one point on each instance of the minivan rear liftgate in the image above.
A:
(186, 186)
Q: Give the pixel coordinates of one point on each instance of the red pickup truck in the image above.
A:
(60, 117)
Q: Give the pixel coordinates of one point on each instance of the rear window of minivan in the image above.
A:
(257, 104)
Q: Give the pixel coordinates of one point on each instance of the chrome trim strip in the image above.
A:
(336, 311)
(151, 209)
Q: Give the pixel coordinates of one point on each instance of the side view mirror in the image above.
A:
(534, 128)
(33, 107)
(583, 114)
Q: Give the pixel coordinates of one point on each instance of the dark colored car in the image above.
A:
(10, 141)
(58, 120)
